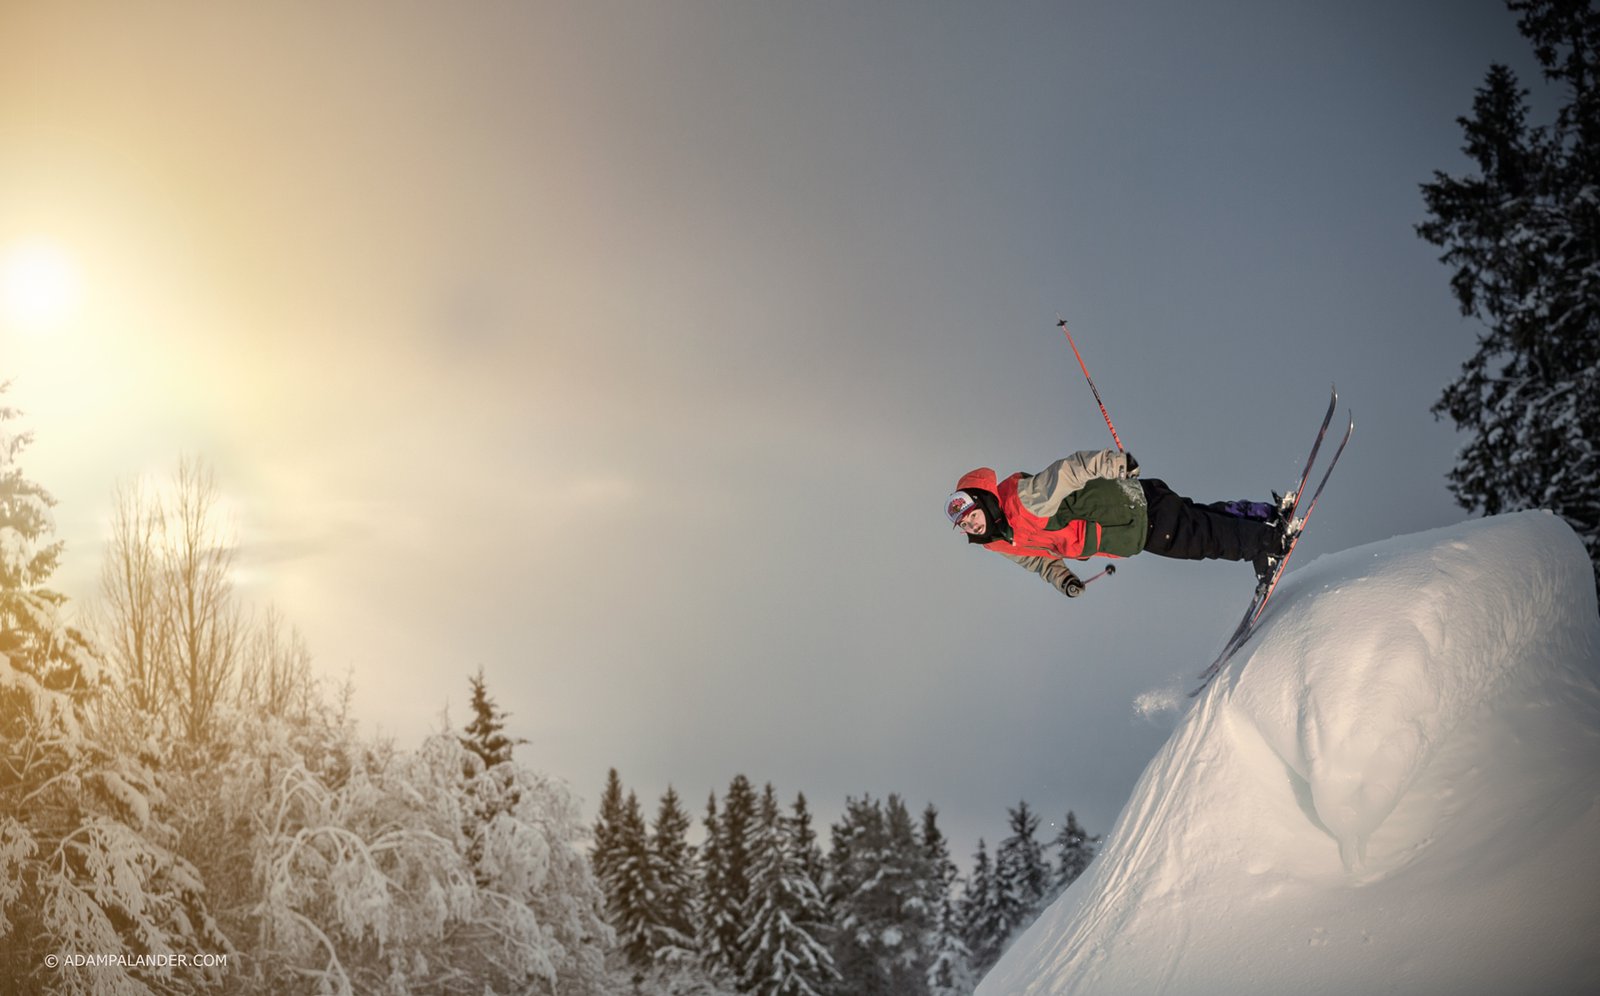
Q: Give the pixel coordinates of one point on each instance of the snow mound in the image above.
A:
(1394, 787)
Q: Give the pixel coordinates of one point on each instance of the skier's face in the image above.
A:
(974, 522)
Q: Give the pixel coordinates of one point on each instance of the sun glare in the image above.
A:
(38, 287)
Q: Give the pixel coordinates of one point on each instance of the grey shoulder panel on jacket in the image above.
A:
(1044, 491)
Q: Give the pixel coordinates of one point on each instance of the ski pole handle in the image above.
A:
(1110, 570)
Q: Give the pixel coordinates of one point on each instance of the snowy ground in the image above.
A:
(1394, 788)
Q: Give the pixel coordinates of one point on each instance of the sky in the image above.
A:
(1395, 792)
(628, 351)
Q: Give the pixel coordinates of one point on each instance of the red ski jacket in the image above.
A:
(1081, 506)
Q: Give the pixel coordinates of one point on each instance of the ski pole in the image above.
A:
(1062, 323)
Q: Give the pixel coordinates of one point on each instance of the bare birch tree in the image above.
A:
(131, 624)
(205, 631)
(275, 677)
(170, 623)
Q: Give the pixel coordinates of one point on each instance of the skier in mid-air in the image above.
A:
(1094, 504)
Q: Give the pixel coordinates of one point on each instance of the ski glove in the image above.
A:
(1133, 465)
(1073, 587)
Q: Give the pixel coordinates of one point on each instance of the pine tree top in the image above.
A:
(484, 734)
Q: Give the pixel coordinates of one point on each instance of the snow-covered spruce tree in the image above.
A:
(607, 827)
(1075, 849)
(632, 889)
(1021, 875)
(485, 734)
(949, 961)
(675, 968)
(368, 882)
(878, 875)
(1522, 237)
(983, 926)
(710, 861)
(726, 879)
(487, 747)
(785, 955)
(33, 632)
(85, 865)
(649, 885)
(674, 860)
(806, 841)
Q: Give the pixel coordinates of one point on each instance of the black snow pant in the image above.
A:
(1183, 529)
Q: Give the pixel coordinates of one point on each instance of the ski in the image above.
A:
(1235, 641)
(1293, 498)
(1350, 427)
(1316, 446)
(1258, 602)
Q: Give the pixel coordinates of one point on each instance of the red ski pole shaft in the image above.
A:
(1062, 322)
